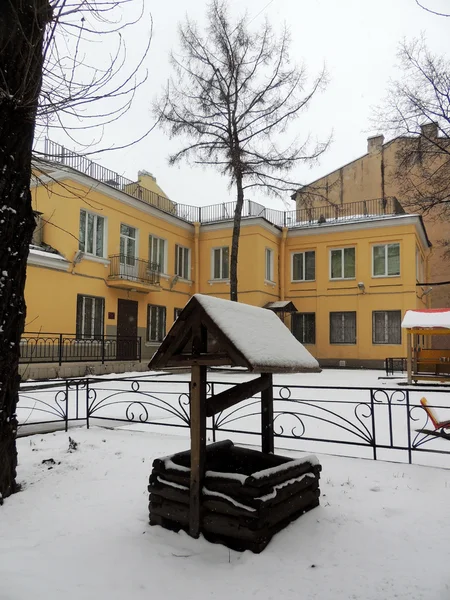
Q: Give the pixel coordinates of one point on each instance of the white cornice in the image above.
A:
(246, 222)
(364, 224)
(48, 260)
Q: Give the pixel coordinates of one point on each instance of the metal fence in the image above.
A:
(130, 268)
(376, 423)
(41, 347)
(300, 217)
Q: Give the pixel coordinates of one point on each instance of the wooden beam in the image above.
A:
(179, 360)
(198, 446)
(236, 394)
(267, 443)
(435, 331)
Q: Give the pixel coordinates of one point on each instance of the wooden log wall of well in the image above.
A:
(247, 496)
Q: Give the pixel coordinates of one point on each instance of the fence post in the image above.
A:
(139, 341)
(374, 439)
(60, 349)
(408, 427)
(66, 424)
(103, 348)
(87, 403)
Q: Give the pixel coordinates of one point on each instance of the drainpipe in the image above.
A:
(196, 258)
(282, 274)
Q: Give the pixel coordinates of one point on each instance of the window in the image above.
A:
(343, 328)
(127, 245)
(304, 266)
(304, 327)
(182, 262)
(157, 252)
(92, 234)
(156, 323)
(221, 263)
(386, 260)
(386, 327)
(90, 317)
(342, 263)
(269, 265)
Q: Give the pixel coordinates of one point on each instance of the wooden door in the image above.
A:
(127, 315)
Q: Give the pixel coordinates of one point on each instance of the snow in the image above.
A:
(433, 317)
(207, 492)
(218, 475)
(259, 335)
(280, 486)
(310, 459)
(80, 530)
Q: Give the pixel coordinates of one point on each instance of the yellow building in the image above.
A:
(112, 263)
(394, 170)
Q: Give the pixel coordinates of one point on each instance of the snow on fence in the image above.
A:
(376, 423)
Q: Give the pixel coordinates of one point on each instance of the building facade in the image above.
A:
(409, 169)
(117, 260)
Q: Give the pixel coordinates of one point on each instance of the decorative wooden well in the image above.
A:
(232, 495)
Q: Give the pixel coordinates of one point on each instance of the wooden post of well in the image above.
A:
(267, 415)
(198, 430)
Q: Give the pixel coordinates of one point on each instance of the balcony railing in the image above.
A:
(301, 217)
(134, 269)
(38, 347)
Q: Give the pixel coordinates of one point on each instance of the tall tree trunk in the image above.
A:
(22, 30)
(235, 239)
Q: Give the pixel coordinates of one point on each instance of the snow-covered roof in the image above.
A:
(427, 318)
(259, 335)
(281, 305)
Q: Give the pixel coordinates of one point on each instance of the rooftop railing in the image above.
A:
(300, 217)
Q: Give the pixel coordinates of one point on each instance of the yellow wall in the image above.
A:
(51, 295)
(323, 295)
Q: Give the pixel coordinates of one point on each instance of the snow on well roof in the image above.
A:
(259, 335)
(432, 317)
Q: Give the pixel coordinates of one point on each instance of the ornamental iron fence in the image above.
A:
(41, 347)
(377, 423)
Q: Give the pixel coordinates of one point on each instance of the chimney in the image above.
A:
(429, 130)
(375, 143)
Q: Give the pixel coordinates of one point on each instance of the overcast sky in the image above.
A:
(357, 40)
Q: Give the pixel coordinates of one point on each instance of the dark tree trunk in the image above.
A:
(235, 240)
(22, 30)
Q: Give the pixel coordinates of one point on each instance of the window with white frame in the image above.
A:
(386, 327)
(269, 276)
(304, 327)
(221, 263)
(343, 327)
(90, 317)
(182, 261)
(386, 260)
(156, 323)
(92, 234)
(342, 263)
(128, 237)
(157, 249)
(304, 266)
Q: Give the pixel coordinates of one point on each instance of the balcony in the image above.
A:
(133, 274)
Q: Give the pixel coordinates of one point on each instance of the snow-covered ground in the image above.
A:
(79, 531)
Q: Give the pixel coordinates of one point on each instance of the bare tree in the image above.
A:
(233, 95)
(418, 111)
(46, 78)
